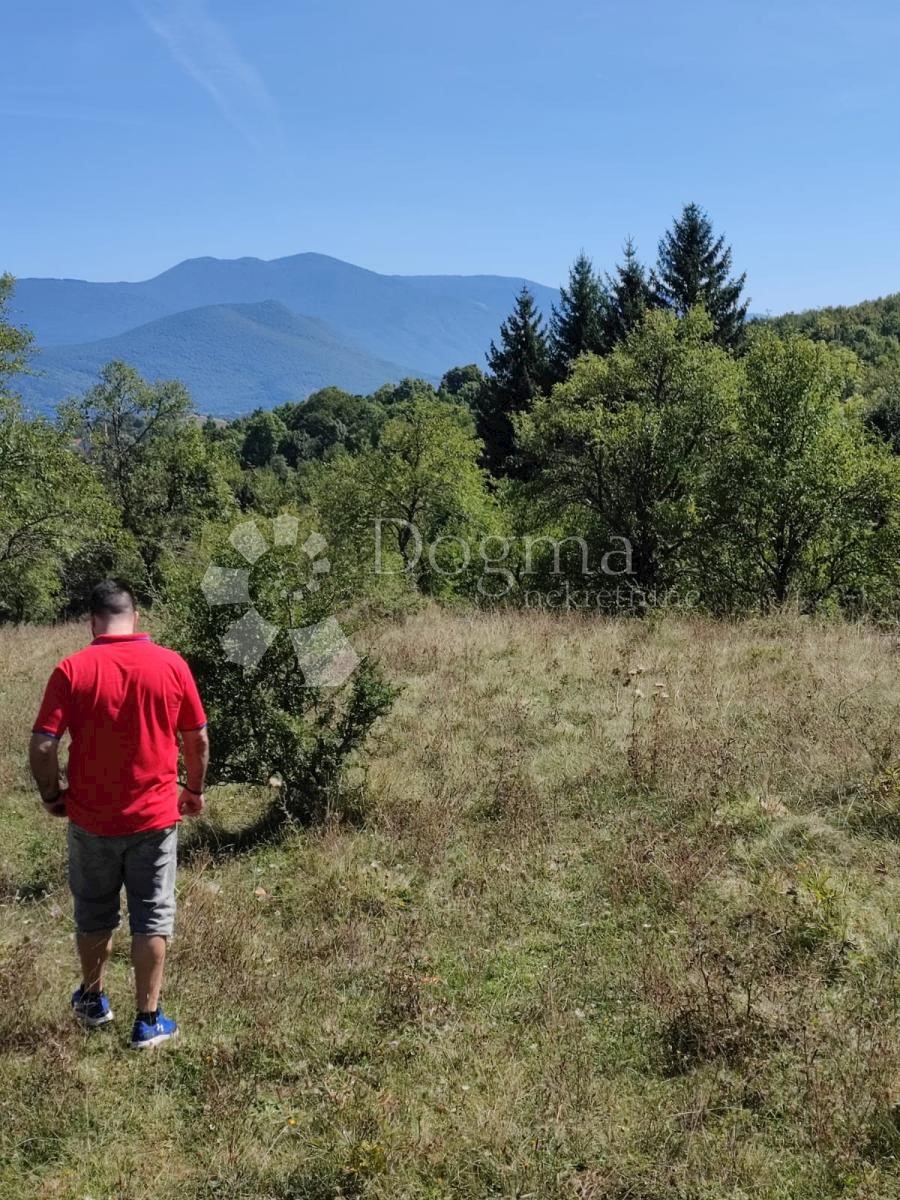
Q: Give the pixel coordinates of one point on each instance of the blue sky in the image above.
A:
(459, 136)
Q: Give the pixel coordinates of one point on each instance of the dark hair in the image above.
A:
(111, 598)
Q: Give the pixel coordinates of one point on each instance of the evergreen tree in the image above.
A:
(519, 371)
(629, 295)
(694, 267)
(577, 326)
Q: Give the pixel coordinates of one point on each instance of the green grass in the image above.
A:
(587, 944)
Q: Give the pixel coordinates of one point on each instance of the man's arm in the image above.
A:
(195, 748)
(43, 756)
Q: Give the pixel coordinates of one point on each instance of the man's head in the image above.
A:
(112, 608)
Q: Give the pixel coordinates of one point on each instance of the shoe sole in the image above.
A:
(154, 1041)
(92, 1022)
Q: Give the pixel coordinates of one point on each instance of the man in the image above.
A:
(125, 702)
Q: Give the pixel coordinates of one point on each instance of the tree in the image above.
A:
(394, 395)
(417, 501)
(694, 267)
(623, 447)
(273, 719)
(883, 408)
(519, 372)
(463, 384)
(163, 474)
(263, 434)
(327, 421)
(871, 329)
(15, 342)
(629, 295)
(805, 506)
(51, 506)
(577, 326)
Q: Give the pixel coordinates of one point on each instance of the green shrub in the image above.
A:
(268, 725)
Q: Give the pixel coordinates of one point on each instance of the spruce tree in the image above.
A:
(694, 267)
(519, 370)
(629, 296)
(577, 326)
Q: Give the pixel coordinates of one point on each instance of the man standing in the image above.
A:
(125, 702)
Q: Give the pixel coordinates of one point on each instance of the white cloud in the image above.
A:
(206, 51)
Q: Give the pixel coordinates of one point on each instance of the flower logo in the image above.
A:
(323, 652)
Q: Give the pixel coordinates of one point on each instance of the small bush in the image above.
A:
(268, 726)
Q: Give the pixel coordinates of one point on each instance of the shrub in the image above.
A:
(268, 725)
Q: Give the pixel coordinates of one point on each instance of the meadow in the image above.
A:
(607, 911)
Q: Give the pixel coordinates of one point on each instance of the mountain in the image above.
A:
(232, 358)
(429, 322)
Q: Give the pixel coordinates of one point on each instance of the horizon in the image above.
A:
(478, 141)
(297, 254)
(754, 312)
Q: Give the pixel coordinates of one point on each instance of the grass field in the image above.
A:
(620, 923)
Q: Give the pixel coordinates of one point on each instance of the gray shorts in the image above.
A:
(144, 862)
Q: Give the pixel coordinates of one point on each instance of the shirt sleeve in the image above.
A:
(55, 711)
(191, 715)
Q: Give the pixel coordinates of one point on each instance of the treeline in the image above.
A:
(646, 444)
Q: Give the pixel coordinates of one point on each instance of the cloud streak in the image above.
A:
(208, 54)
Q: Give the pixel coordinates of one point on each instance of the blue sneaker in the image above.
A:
(152, 1033)
(91, 1008)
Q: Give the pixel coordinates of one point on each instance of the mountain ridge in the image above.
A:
(378, 325)
(383, 314)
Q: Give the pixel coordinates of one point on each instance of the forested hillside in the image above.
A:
(232, 357)
(871, 329)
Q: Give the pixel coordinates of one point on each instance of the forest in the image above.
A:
(648, 443)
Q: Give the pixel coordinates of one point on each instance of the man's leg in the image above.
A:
(148, 957)
(150, 868)
(94, 950)
(95, 878)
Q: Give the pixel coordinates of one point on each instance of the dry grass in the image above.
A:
(621, 923)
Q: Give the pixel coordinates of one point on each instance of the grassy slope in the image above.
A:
(590, 943)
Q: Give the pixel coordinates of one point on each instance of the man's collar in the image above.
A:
(105, 639)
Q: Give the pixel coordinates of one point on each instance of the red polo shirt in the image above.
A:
(122, 700)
